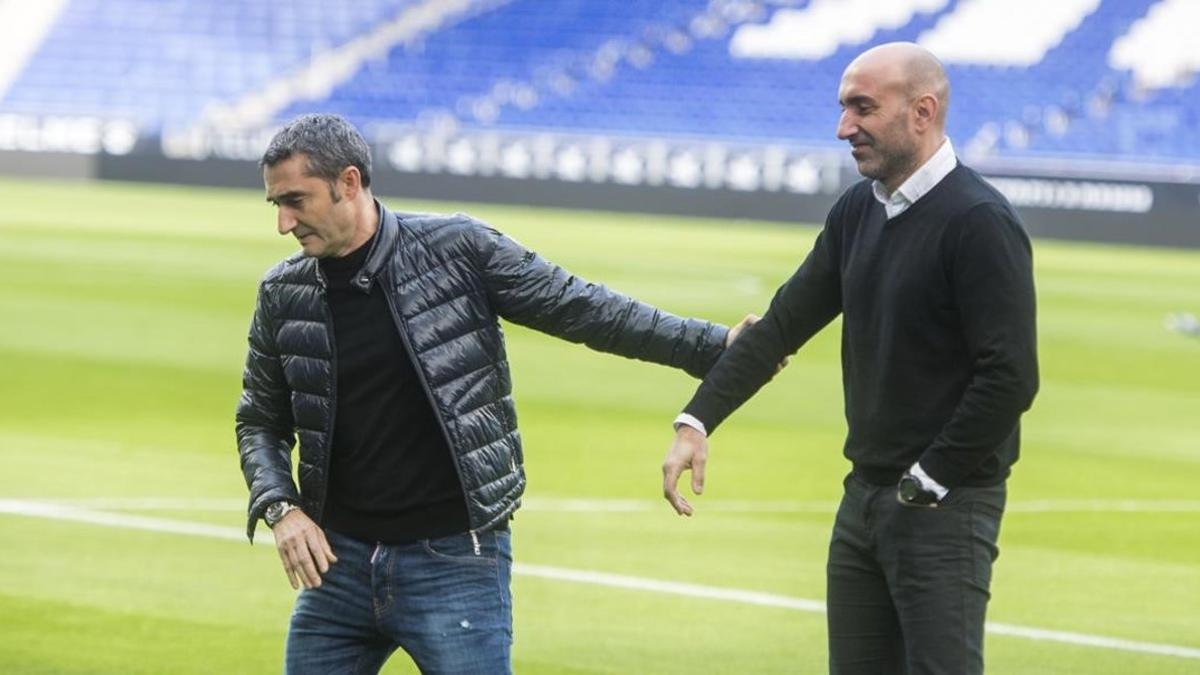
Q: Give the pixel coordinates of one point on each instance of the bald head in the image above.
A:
(893, 100)
(910, 69)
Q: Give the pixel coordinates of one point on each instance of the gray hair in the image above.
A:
(330, 143)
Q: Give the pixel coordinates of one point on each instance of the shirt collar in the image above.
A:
(920, 183)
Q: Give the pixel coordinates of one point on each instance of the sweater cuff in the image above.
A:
(685, 419)
(927, 482)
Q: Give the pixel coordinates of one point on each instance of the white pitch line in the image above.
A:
(72, 513)
(64, 512)
(600, 505)
(1104, 506)
(670, 587)
(1085, 640)
(154, 503)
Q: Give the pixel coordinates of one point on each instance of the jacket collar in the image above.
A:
(381, 250)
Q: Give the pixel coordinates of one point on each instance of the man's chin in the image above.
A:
(312, 247)
(867, 168)
(313, 251)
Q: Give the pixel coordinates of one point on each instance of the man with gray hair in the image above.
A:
(378, 346)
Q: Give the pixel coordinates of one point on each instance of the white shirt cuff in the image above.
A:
(688, 420)
(927, 482)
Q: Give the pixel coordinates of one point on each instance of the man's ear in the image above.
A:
(350, 182)
(925, 111)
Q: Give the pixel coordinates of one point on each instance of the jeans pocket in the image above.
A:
(469, 548)
(984, 520)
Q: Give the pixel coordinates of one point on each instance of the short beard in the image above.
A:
(894, 165)
(894, 162)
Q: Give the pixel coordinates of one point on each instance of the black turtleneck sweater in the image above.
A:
(391, 476)
(939, 355)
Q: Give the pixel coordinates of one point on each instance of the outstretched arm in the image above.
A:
(800, 308)
(531, 291)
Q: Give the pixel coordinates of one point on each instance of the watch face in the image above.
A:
(908, 489)
(274, 512)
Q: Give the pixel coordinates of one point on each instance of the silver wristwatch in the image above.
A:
(276, 511)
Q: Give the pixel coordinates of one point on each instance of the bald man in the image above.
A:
(931, 271)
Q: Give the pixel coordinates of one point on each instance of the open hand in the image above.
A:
(742, 325)
(689, 451)
(302, 546)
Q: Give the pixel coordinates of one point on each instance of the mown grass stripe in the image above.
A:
(758, 598)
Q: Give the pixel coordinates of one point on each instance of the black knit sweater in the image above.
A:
(939, 348)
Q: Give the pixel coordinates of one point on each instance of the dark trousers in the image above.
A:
(907, 585)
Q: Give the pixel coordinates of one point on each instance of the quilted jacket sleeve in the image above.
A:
(265, 430)
(529, 290)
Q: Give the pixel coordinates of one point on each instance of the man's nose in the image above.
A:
(846, 127)
(286, 221)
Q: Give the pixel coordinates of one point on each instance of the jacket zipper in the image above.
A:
(402, 328)
(332, 390)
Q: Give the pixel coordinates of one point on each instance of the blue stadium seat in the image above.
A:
(630, 67)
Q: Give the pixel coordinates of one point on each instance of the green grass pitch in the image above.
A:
(123, 312)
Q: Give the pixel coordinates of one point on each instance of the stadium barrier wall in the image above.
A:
(681, 178)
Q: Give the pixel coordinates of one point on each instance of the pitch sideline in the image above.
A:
(619, 505)
(171, 526)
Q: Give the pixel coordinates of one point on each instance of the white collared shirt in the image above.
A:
(919, 184)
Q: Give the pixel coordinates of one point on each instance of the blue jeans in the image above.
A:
(443, 601)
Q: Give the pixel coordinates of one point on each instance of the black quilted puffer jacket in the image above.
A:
(449, 280)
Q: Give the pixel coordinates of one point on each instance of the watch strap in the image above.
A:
(275, 511)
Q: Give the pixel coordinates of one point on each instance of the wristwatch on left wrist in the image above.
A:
(277, 510)
(911, 492)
